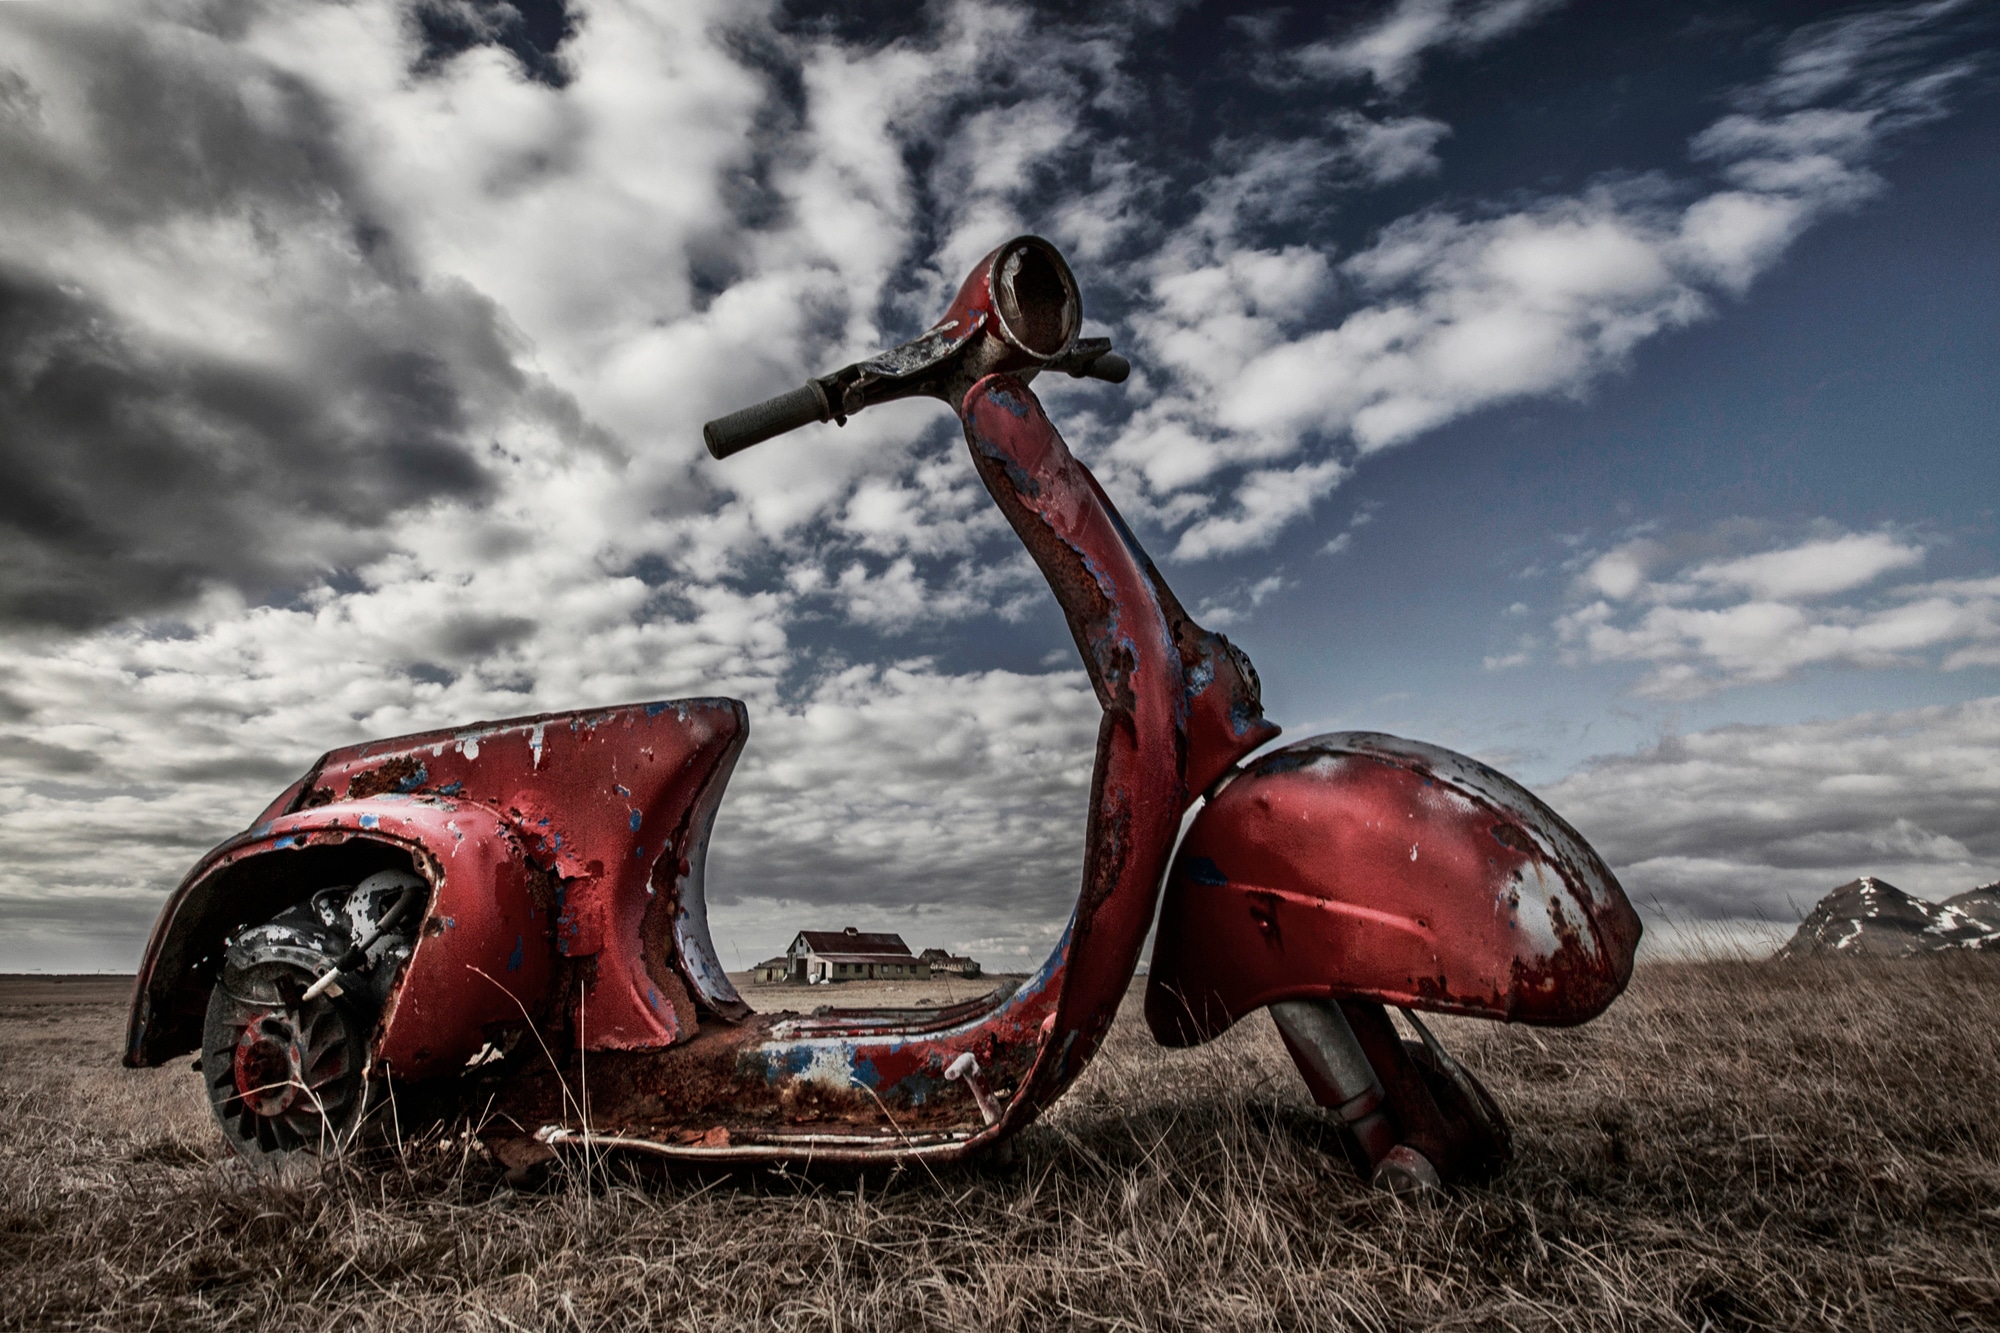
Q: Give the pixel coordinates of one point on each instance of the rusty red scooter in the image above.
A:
(510, 917)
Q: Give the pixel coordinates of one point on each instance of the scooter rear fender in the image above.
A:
(1358, 865)
(491, 912)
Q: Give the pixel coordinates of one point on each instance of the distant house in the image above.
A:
(954, 963)
(849, 955)
(773, 969)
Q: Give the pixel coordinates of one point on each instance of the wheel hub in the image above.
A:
(283, 1076)
(268, 1065)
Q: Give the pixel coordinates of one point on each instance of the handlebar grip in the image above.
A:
(1110, 367)
(761, 421)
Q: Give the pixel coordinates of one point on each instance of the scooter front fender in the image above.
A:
(1358, 865)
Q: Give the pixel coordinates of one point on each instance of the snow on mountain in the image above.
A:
(1875, 919)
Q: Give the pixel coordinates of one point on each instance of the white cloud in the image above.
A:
(1232, 607)
(419, 352)
(1448, 314)
(1759, 822)
(1814, 569)
(1265, 501)
(1827, 57)
(1703, 624)
(1391, 150)
(1390, 49)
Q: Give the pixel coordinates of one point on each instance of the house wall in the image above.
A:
(818, 968)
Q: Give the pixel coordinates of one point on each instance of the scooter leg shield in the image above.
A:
(1362, 866)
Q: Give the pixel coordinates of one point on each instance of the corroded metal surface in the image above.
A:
(859, 1085)
(565, 952)
(1364, 865)
(601, 814)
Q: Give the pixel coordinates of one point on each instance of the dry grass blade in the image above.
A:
(1736, 1145)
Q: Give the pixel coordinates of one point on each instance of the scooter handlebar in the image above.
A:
(762, 421)
(811, 403)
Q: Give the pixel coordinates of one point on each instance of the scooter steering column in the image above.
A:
(1336, 1070)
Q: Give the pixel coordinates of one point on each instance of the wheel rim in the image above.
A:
(282, 1077)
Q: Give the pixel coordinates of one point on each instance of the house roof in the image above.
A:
(865, 958)
(782, 960)
(851, 941)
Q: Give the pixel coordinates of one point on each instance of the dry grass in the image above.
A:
(1736, 1145)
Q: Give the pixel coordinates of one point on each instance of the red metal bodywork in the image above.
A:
(565, 857)
(568, 835)
(858, 1085)
(1365, 866)
(606, 814)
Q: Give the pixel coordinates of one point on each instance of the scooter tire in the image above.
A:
(1481, 1141)
(284, 1078)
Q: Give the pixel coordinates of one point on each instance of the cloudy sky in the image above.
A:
(1605, 391)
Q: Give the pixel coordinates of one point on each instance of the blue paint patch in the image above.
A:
(289, 840)
(371, 821)
(791, 1062)
(1204, 871)
(1006, 399)
(1062, 1057)
(414, 780)
(866, 1074)
(622, 790)
(451, 789)
(636, 821)
(654, 710)
(514, 958)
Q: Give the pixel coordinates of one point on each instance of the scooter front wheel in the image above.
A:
(1412, 1117)
(1482, 1143)
(285, 1062)
(284, 1074)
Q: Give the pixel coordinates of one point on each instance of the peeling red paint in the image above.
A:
(1387, 877)
(564, 853)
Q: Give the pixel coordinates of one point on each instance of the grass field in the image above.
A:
(1735, 1145)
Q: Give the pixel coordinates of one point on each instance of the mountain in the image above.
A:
(1872, 918)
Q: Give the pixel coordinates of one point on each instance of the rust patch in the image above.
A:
(400, 774)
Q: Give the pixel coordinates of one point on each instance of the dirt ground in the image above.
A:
(1735, 1145)
(943, 989)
